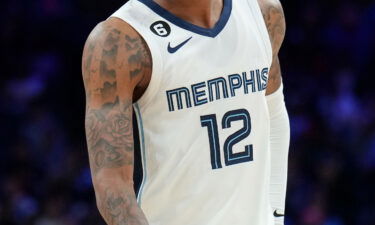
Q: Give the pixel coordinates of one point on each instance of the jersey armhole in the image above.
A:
(157, 65)
(256, 11)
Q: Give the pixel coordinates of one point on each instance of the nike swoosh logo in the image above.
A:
(276, 214)
(175, 49)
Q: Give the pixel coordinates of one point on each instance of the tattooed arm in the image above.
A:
(116, 65)
(274, 17)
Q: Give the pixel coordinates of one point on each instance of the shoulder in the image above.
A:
(274, 18)
(116, 51)
(111, 25)
(115, 33)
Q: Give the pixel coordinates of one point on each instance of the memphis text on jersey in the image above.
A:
(215, 89)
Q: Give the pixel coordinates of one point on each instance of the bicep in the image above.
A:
(115, 60)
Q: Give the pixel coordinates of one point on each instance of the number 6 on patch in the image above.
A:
(231, 158)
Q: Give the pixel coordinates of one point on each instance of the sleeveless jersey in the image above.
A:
(203, 120)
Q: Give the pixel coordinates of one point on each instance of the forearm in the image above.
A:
(117, 204)
(279, 146)
(110, 145)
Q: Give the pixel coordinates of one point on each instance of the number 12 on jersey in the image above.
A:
(231, 158)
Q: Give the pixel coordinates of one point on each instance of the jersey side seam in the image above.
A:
(143, 153)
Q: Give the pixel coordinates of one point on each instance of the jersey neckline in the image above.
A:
(210, 32)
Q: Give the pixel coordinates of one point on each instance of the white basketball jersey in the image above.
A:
(203, 120)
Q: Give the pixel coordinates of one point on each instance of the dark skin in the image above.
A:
(274, 18)
(116, 63)
(117, 68)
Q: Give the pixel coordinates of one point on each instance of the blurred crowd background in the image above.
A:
(328, 62)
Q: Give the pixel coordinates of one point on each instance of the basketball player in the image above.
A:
(203, 77)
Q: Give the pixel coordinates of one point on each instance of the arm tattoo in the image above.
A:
(113, 63)
(140, 58)
(110, 136)
(275, 21)
(104, 59)
(116, 207)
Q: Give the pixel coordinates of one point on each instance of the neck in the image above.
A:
(203, 13)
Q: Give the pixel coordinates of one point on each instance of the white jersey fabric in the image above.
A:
(203, 120)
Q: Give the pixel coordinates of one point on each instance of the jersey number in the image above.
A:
(231, 158)
(159, 28)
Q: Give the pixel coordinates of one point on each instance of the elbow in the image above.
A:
(106, 183)
(102, 182)
(112, 177)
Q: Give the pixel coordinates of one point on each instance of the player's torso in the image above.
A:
(203, 120)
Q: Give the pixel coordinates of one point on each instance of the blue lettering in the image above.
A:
(264, 78)
(248, 82)
(217, 83)
(199, 93)
(259, 82)
(234, 85)
(217, 88)
(178, 96)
